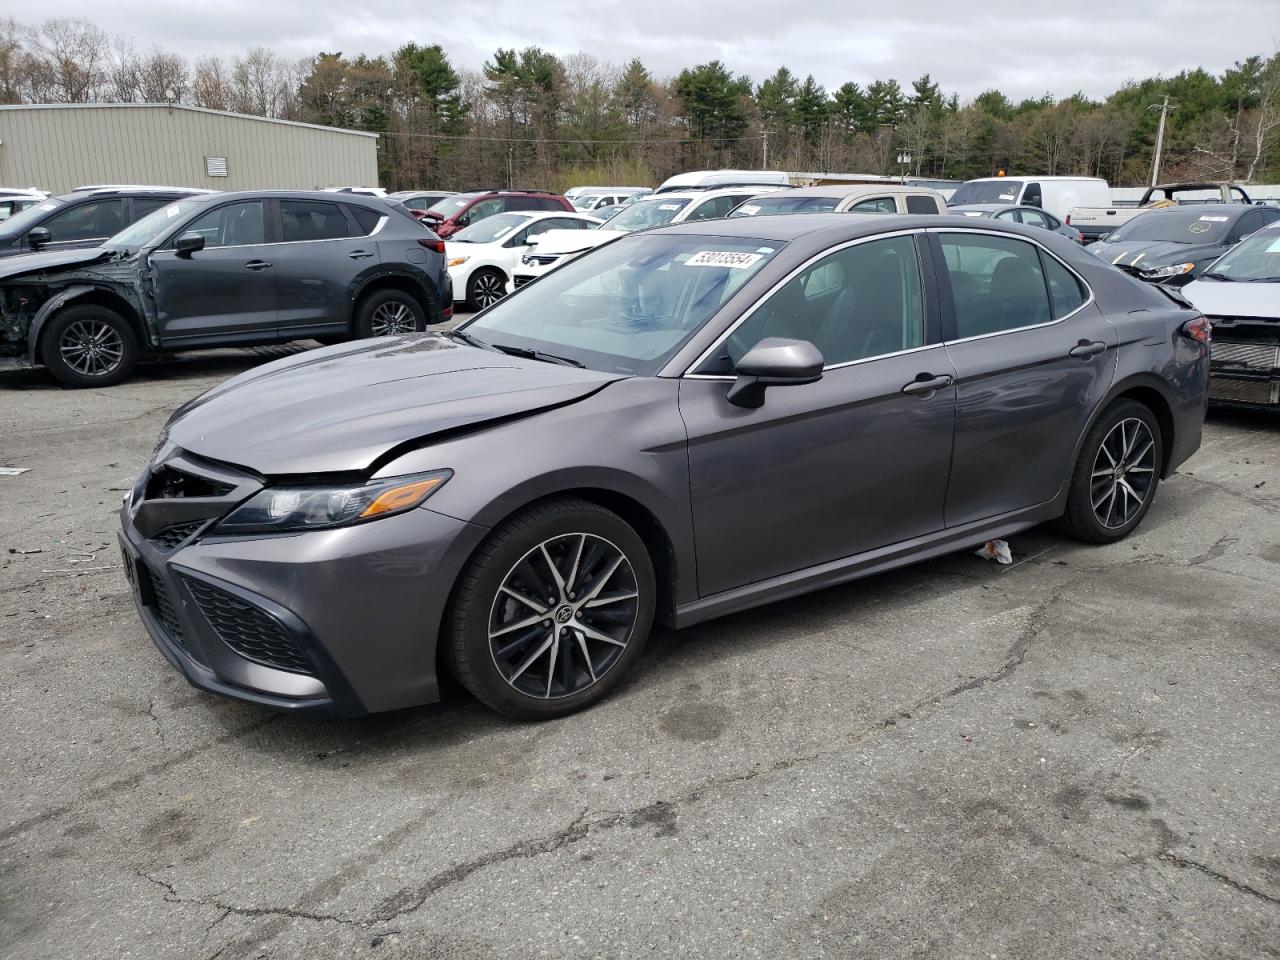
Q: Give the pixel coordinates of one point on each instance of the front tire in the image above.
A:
(553, 610)
(389, 313)
(89, 346)
(1116, 475)
(486, 287)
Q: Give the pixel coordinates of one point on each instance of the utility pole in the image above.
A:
(765, 163)
(1164, 109)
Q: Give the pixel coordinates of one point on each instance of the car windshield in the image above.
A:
(1257, 258)
(986, 191)
(490, 229)
(450, 205)
(151, 226)
(24, 220)
(626, 307)
(772, 206)
(644, 214)
(1174, 226)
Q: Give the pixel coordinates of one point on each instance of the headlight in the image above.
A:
(310, 507)
(458, 261)
(1161, 273)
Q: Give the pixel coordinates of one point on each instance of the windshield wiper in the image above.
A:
(536, 355)
(466, 338)
(1216, 276)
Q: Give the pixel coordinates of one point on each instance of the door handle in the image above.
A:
(257, 265)
(928, 383)
(1086, 349)
(360, 254)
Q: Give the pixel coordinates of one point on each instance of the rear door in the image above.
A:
(225, 292)
(1034, 357)
(834, 468)
(317, 260)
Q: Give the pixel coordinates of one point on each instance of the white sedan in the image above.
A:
(481, 257)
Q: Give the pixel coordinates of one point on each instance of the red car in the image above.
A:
(463, 209)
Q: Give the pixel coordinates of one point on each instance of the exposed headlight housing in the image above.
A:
(294, 507)
(1163, 273)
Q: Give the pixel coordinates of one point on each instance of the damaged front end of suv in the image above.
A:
(36, 288)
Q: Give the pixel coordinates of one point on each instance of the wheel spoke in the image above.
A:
(533, 656)
(519, 642)
(519, 625)
(551, 664)
(572, 580)
(586, 656)
(527, 601)
(612, 598)
(555, 574)
(600, 584)
(595, 634)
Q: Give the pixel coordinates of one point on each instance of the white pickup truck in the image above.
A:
(1094, 223)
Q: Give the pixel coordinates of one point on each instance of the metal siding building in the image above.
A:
(63, 146)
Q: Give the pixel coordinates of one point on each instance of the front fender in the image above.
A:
(47, 309)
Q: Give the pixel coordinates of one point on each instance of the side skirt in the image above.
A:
(864, 564)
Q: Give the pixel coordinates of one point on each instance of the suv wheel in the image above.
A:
(553, 610)
(389, 313)
(89, 346)
(486, 287)
(1116, 475)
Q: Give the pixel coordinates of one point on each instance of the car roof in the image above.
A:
(1030, 176)
(135, 188)
(362, 199)
(841, 190)
(829, 228)
(702, 194)
(1197, 210)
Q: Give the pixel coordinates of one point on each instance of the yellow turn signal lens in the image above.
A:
(402, 498)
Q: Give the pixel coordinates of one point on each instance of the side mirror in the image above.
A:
(37, 237)
(188, 243)
(774, 362)
(534, 240)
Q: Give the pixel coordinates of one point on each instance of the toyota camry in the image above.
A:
(684, 423)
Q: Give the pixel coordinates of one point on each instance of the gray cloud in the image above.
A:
(1024, 49)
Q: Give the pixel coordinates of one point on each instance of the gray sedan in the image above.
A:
(1030, 216)
(684, 423)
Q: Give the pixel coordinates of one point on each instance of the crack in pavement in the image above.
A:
(1267, 504)
(1168, 856)
(171, 896)
(151, 712)
(1220, 546)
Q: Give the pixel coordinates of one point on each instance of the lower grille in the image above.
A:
(247, 630)
(170, 537)
(520, 281)
(156, 596)
(1244, 391)
(1250, 356)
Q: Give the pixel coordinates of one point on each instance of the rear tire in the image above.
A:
(1116, 475)
(389, 313)
(553, 610)
(89, 346)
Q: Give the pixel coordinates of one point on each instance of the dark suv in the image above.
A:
(224, 269)
(463, 209)
(83, 218)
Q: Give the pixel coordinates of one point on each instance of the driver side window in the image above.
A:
(861, 302)
(234, 225)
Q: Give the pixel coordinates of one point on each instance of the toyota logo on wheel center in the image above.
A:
(564, 613)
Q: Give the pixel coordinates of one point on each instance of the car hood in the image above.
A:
(1218, 298)
(344, 408)
(1153, 253)
(571, 241)
(53, 260)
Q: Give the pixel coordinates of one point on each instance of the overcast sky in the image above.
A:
(1025, 49)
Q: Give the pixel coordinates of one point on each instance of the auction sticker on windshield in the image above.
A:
(723, 258)
(669, 206)
(1216, 219)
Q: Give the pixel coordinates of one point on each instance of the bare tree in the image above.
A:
(163, 77)
(1264, 121)
(210, 84)
(69, 60)
(13, 55)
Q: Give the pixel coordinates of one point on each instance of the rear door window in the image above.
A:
(997, 284)
(312, 220)
(921, 204)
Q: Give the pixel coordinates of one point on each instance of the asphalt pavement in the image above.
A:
(1077, 755)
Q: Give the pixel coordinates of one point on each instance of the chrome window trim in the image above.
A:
(1035, 243)
(728, 332)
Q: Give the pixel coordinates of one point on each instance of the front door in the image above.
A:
(1034, 359)
(227, 291)
(830, 469)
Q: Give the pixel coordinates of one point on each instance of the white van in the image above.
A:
(713, 179)
(1058, 195)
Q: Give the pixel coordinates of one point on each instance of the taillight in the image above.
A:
(1199, 329)
(447, 312)
(1079, 237)
(436, 245)
(1068, 220)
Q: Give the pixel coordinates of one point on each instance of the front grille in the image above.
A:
(520, 281)
(1250, 356)
(170, 537)
(167, 483)
(247, 630)
(1244, 391)
(156, 596)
